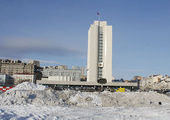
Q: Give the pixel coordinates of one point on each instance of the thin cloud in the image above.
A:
(15, 47)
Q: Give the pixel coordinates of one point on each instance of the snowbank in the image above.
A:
(86, 99)
(29, 93)
(107, 99)
(36, 97)
(150, 85)
(29, 86)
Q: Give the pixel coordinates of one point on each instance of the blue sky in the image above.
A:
(55, 32)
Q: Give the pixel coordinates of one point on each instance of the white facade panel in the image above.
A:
(92, 53)
(107, 69)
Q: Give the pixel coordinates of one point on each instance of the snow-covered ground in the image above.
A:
(30, 101)
(30, 112)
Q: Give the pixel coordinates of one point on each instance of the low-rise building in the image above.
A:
(35, 62)
(58, 74)
(18, 78)
(12, 67)
(62, 78)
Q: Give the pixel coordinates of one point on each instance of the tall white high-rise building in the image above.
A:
(99, 63)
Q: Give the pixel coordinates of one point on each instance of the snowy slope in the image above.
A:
(30, 101)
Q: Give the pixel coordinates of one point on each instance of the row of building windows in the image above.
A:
(60, 73)
(100, 51)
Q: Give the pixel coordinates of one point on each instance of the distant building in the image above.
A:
(56, 73)
(35, 62)
(137, 78)
(99, 63)
(62, 67)
(23, 78)
(11, 67)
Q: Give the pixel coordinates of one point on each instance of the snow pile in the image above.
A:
(86, 99)
(107, 99)
(29, 93)
(29, 86)
(160, 86)
(155, 86)
(155, 83)
(36, 97)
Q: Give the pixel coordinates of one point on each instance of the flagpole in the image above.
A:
(98, 14)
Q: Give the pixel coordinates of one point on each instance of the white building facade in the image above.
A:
(58, 74)
(99, 63)
(19, 78)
